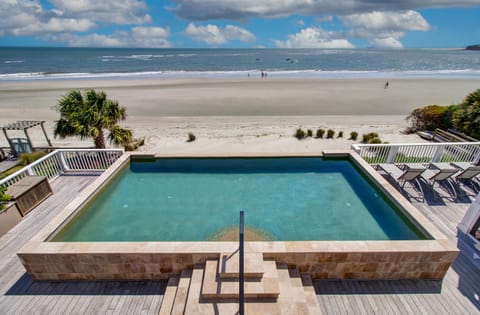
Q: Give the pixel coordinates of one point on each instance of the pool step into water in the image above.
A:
(212, 288)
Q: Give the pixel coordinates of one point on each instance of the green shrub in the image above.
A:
(375, 140)
(191, 137)
(299, 134)
(369, 136)
(354, 135)
(340, 134)
(309, 133)
(430, 118)
(3, 197)
(27, 158)
(466, 117)
(320, 133)
(330, 133)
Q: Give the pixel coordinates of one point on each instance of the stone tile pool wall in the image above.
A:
(419, 259)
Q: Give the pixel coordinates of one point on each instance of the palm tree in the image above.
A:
(467, 117)
(88, 115)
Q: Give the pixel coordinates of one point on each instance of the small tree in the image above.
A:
(309, 133)
(340, 134)
(88, 115)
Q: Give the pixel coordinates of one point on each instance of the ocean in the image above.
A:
(107, 63)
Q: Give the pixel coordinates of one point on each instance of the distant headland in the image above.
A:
(473, 47)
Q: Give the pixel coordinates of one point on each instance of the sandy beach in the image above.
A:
(240, 115)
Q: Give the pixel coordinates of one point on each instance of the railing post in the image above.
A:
(241, 280)
(392, 154)
(438, 154)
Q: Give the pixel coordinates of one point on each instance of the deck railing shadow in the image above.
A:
(26, 286)
(359, 287)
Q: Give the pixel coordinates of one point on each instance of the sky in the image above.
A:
(240, 23)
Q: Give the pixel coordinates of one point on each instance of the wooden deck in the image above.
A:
(458, 293)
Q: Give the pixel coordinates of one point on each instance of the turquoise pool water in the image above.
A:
(285, 199)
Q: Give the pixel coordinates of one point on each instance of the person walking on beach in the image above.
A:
(386, 85)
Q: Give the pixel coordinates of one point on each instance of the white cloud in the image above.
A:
(381, 21)
(215, 36)
(106, 11)
(24, 17)
(386, 42)
(29, 17)
(146, 37)
(313, 37)
(196, 10)
(384, 29)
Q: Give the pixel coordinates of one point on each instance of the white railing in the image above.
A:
(66, 160)
(419, 152)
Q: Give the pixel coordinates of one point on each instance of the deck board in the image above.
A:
(456, 294)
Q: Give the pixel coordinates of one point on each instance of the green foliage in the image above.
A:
(3, 197)
(27, 158)
(354, 135)
(191, 137)
(320, 133)
(371, 138)
(309, 133)
(87, 115)
(330, 133)
(340, 134)
(375, 140)
(467, 116)
(134, 144)
(299, 134)
(430, 117)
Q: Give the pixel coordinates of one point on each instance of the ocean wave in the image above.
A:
(272, 73)
(14, 61)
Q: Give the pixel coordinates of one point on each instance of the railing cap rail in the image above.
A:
(19, 172)
(358, 145)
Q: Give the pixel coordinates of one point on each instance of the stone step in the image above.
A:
(310, 295)
(169, 296)
(217, 288)
(182, 293)
(293, 298)
(229, 265)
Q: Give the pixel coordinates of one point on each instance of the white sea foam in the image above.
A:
(312, 73)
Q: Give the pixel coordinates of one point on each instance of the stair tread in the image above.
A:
(229, 265)
(216, 287)
(169, 296)
(182, 293)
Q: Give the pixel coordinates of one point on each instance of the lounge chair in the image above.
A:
(468, 175)
(441, 173)
(410, 174)
(467, 171)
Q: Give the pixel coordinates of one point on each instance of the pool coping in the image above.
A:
(418, 259)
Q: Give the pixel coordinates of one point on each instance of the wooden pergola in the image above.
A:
(24, 125)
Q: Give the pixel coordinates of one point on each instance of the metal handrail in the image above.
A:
(241, 272)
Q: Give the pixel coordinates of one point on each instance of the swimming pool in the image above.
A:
(284, 199)
(410, 247)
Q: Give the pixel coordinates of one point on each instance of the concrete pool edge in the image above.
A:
(422, 259)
